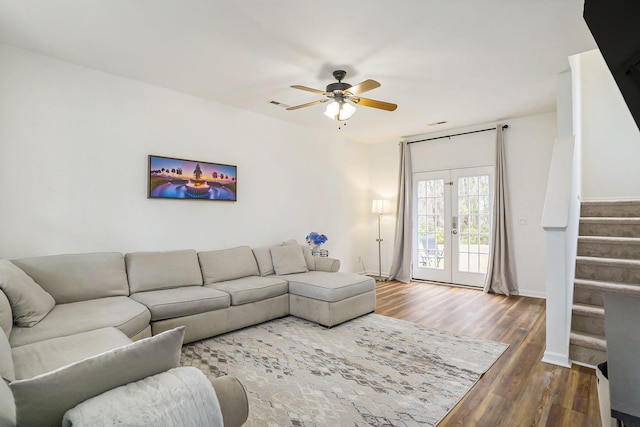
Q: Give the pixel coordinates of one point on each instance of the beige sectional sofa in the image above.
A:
(99, 303)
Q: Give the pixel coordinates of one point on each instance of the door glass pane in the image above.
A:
(431, 223)
(473, 235)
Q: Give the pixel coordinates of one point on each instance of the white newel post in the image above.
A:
(558, 329)
(560, 221)
(560, 218)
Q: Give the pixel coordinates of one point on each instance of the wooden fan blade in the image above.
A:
(377, 104)
(308, 104)
(309, 89)
(363, 87)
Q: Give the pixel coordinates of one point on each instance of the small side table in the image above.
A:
(320, 252)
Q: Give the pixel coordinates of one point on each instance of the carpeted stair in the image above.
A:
(608, 261)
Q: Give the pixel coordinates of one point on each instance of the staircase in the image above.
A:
(608, 261)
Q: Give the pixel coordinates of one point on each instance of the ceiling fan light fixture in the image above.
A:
(340, 110)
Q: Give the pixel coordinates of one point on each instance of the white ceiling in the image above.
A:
(463, 61)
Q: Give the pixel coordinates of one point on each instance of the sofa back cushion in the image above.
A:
(7, 369)
(265, 262)
(288, 259)
(262, 255)
(29, 302)
(308, 257)
(6, 315)
(227, 264)
(43, 400)
(78, 277)
(151, 271)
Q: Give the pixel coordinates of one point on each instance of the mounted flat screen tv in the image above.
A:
(171, 178)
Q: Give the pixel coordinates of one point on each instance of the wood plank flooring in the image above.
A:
(519, 389)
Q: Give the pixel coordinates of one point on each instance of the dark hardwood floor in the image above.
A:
(518, 390)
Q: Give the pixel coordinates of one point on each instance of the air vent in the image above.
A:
(279, 104)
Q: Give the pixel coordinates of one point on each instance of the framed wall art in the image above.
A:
(171, 178)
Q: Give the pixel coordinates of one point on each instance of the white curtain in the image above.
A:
(501, 274)
(401, 263)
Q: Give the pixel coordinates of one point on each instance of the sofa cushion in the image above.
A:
(227, 264)
(178, 397)
(330, 287)
(252, 288)
(262, 255)
(306, 251)
(45, 356)
(151, 271)
(29, 302)
(123, 313)
(6, 316)
(43, 400)
(78, 277)
(7, 406)
(308, 257)
(178, 302)
(7, 368)
(288, 259)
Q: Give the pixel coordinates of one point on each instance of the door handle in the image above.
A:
(454, 225)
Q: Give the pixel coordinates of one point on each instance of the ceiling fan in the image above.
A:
(344, 97)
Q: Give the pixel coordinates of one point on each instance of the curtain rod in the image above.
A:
(457, 134)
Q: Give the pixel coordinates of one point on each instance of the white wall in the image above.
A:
(528, 145)
(609, 135)
(73, 166)
(384, 160)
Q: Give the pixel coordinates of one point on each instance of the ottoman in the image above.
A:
(330, 298)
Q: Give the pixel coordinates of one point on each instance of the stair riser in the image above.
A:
(592, 295)
(611, 210)
(586, 355)
(607, 250)
(588, 296)
(588, 324)
(608, 273)
(612, 230)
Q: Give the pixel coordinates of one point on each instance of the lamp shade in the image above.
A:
(340, 110)
(380, 207)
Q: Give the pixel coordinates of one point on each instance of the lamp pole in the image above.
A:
(379, 240)
(380, 207)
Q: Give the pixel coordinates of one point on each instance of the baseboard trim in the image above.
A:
(556, 359)
(586, 365)
(531, 294)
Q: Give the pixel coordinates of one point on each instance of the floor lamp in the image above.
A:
(380, 207)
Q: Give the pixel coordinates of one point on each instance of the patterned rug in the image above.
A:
(374, 370)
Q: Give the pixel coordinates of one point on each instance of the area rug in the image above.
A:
(370, 371)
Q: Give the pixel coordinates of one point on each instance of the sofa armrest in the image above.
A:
(327, 264)
(233, 400)
(7, 406)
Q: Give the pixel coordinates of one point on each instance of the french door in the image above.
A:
(452, 221)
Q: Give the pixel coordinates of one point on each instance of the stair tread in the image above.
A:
(609, 239)
(613, 287)
(610, 220)
(588, 310)
(610, 202)
(585, 339)
(607, 261)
